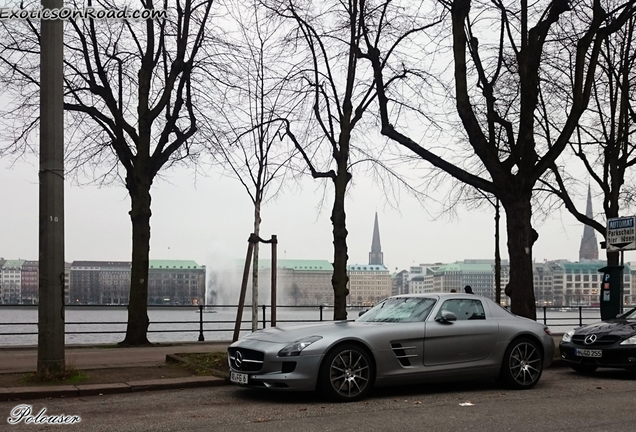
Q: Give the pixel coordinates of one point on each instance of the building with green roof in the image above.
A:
(298, 282)
(576, 283)
(556, 283)
(296, 264)
(449, 277)
(174, 265)
(177, 282)
(308, 282)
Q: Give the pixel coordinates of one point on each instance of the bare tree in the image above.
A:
(497, 98)
(604, 139)
(340, 92)
(325, 37)
(256, 152)
(130, 91)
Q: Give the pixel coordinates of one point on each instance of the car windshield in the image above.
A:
(399, 309)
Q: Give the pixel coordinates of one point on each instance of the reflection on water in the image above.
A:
(182, 324)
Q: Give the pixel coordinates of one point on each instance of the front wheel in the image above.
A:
(347, 373)
(522, 364)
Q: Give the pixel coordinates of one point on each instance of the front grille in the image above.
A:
(602, 340)
(246, 360)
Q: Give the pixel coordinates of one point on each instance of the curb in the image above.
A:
(177, 358)
(65, 391)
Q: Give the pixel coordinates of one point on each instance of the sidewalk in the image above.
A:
(24, 360)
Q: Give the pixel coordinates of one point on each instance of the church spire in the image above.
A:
(376, 256)
(589, 246)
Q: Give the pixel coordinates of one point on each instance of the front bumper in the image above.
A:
(615, 356)
(265, 369)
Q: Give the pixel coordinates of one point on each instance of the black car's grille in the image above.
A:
(246, 360)
(601, 340)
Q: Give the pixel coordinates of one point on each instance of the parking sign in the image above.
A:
(621, 234)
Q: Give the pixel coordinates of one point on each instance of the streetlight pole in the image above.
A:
(51, 176)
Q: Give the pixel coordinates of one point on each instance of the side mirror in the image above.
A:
(447, 317)
(362, 312)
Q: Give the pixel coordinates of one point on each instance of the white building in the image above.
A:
(368, 284)
(11, 282)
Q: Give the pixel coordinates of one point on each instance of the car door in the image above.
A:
(470, 338)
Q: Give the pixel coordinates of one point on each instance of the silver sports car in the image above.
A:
(404, 339)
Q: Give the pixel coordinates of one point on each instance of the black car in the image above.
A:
(610, 343)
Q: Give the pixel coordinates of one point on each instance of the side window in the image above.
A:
(450, 306)
(473, 309)
(464, 309)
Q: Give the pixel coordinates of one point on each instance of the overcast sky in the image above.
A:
(209, 221)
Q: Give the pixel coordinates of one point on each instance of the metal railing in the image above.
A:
(202, 324)
(198, 323)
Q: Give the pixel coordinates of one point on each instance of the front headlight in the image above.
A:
(567, 337)
(629, 341)
(295, 348)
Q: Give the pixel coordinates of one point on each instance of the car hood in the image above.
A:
(290, 334)
(612, 327)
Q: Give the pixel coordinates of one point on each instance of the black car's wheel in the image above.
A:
(522, 364)
(584, 368)
(347, 373)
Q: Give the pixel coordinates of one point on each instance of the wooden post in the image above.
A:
(274, 241)
(201, 338)
(246, 272)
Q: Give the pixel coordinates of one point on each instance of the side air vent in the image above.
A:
(401, 355)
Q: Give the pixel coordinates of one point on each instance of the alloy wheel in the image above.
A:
(525, 364)
(349, 373)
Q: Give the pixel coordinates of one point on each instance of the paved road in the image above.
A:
(562, 401)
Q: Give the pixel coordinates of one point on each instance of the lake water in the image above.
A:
(167, 324)
(172, 324)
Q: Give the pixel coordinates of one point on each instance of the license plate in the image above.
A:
(588, 353)
(238, 378)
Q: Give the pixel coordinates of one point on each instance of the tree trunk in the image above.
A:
(136, 332)
(497, 256)
(340, 279)
(521, 237)
(257, 229)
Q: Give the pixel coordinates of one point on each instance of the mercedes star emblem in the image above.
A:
(590, 339)
(238, 359)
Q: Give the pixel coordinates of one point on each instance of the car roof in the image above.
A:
(440, 295)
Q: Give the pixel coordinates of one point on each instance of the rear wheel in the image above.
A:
(584, 368)
(347, 373)
(522, 364)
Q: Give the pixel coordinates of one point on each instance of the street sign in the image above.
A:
(621, 234)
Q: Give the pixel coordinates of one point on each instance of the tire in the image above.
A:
(522, 364)
(347, 373)
(584, 368)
